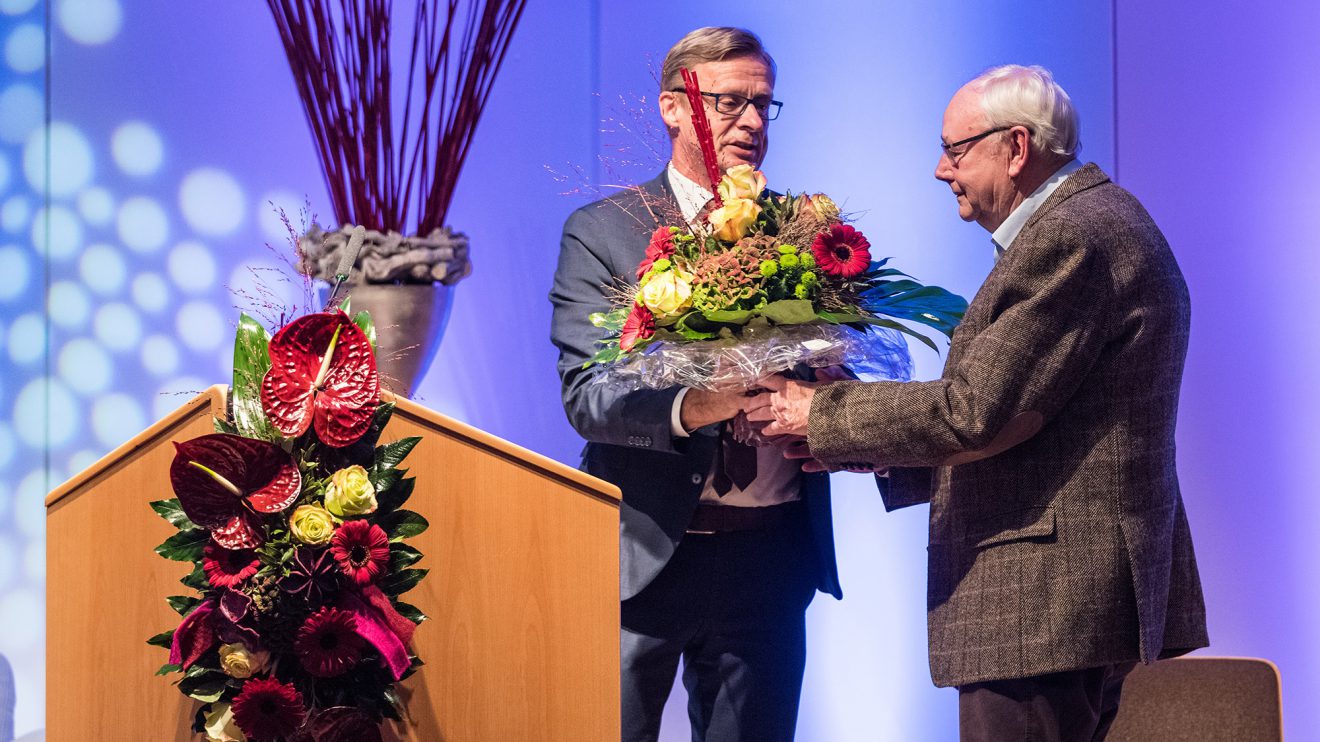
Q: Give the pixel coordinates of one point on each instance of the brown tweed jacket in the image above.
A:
(1058, 539)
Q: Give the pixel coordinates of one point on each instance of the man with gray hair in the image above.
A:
(721, 547)
(1060, 553)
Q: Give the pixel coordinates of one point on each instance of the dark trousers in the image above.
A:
(1075, 706)
(732, 606)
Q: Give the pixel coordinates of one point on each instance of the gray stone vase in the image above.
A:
(406, 283)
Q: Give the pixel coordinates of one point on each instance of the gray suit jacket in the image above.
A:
(1058, 539)
(629, 439)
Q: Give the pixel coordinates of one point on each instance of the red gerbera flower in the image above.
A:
(228, 567)
(661, 246)
(842, 251)
(220, 479)
(362, 550)
(322, 374)
(268, 709)
(640, 325)
(328, 644)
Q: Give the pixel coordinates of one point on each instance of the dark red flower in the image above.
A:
(328, 644)
(313, 573)
(640, 325)
(195, 635)
(220, 479)
(228, 567)
(661, 246)
(362, 550)
(267, 709)
(322, 374)
(842, 251)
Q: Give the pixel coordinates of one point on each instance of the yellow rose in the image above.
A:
(826, 209)
(350, 493)
(220, 726)
(666, 293)
(312, 524)
(732, 220)
(743, 181)
(239, 662)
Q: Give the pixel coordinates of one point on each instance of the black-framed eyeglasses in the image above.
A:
(731, 104)
(949, 148)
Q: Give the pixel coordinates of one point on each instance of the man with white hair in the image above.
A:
(1060, 553)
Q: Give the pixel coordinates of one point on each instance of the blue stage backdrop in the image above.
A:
(138, 197)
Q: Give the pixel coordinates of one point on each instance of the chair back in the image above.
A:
(1201, 699)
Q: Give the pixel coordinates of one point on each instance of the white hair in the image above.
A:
(1014, 95)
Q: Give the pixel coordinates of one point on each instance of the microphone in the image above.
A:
(346, 261)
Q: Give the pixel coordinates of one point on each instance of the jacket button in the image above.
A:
(696, 478)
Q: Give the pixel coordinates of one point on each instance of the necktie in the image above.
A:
(735, 463)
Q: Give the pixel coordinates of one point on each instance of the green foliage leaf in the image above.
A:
(251, 362)
(172, 511)
(183, 604)
(391, 455)
(204, 684)
(363, 321)
(789, 312)
(611, 321)
(185, 546)
(403, 556)
(729, 316)
(164, 639)
(196, 579)
(839, 318)
(401, 582)
(166, 669)
(394, 498)
(909, 300)
(402, 524)
(223, 426)
(409, 611)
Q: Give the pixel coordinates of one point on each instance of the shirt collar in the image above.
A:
(1008, 231)
(691, 196)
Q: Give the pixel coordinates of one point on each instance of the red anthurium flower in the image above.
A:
(842, 251)
(640, 325)
(323, 374)
(222, 480)
(194, 636)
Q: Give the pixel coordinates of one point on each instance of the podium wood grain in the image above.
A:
(522, 641)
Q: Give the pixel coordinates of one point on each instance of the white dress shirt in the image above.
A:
(776, 477)
(1008, 231)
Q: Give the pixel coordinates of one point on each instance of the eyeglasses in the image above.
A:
(729, 104)
(953, 156)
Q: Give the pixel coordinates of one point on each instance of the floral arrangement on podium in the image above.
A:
(291, 515)
(763, 283)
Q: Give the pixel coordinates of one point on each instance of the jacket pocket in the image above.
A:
(1014, 525)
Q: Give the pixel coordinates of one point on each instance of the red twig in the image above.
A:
(705, 138)
(378, 165)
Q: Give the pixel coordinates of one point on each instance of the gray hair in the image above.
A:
(710, 44)
(1013, 95)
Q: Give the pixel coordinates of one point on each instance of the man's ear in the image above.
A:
(1019, 150)
(673, 109)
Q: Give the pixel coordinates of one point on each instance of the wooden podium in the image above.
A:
(522, 641)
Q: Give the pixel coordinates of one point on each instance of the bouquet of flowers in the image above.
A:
(762, 284)
(292, 518)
